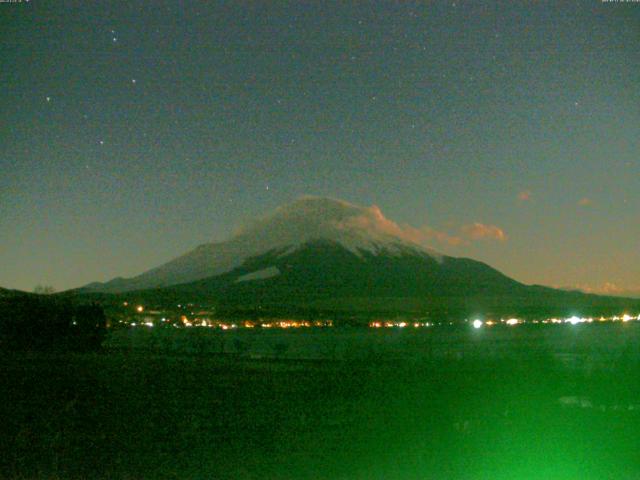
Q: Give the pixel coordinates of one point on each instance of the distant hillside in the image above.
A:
(319, 254)
(326, 277)
(6, 293)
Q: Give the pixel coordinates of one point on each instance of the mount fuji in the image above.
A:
(358, 230)
(332, 255)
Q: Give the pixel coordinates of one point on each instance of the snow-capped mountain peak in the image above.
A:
(307, 219)
(319, 218)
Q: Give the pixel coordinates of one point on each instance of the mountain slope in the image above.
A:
(322, 269)
(324, 276)
(358, 229)
(7, 293)
(319, 254)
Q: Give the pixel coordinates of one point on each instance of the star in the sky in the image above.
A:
(101, 142)
(48, 99)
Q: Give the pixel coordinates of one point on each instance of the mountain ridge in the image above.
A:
(319, 254)
(287, 228)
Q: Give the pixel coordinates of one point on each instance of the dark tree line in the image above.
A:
(35, 322)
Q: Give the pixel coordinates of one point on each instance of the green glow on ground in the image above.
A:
(139, 414)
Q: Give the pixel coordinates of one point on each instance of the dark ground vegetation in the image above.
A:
(46, 323)
(138, 414)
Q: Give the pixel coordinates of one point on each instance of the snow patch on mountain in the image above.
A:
(259, 275)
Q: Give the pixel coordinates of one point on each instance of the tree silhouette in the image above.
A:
(43, 323)
(44, 289)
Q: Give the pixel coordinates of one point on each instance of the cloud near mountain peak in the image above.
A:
(311, 213)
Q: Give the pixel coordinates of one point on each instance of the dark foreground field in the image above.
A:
(128, 414)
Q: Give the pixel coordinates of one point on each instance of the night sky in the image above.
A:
(133, 131)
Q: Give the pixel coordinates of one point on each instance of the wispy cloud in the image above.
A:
(427, 235)
(309, 216)
(463, 235)
(373, 219)
(524, 196)
(480, 231)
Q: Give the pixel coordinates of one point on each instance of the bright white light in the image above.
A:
(626, 318)
(477, 323)
(402, 324)
(149, 324)
(512, 321)
(573, 320)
